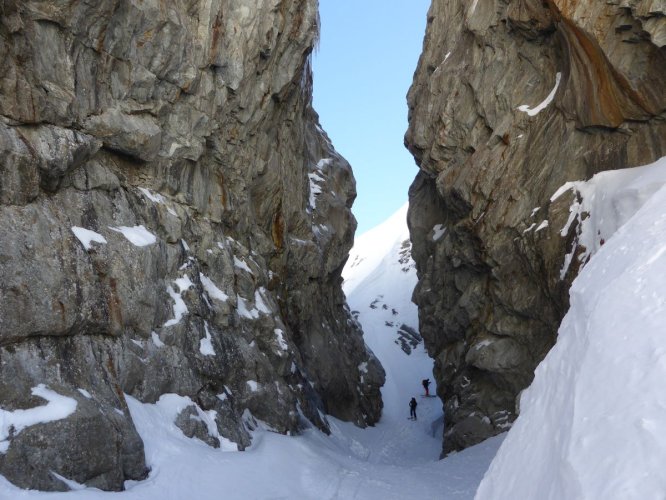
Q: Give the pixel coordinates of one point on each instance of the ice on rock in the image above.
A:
(316, 181)
(157, 198)
(184, 283)
(279, 336)
(542, 225)
(206, 343)
(212, 290)
(260, 302)
(84, 393)
(12, 422)
(179, 307)
(240, 264)
(540, 107)
(137, 235)
(438, 231)
(245, 310)
(87, 237)
(156, 339)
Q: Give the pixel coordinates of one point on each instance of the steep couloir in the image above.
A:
(172, 220)
(511, 99)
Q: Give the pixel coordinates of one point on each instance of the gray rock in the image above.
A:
(490, 293)
(101, 448)
(408, 338)
(190, 422)
(501, 355)
(138, 136)
(191, 127)
(19, 175)
(469, 431)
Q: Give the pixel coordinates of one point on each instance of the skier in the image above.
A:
(426, 384)
(412, 409)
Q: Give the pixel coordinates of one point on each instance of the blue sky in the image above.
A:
(362, 70)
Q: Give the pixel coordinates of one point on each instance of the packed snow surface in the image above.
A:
(395, 460)
(592, 423)
(608, 201)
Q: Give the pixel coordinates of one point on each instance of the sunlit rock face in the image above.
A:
(510, 100)
(172, 220)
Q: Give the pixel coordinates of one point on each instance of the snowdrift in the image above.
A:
(592, 424)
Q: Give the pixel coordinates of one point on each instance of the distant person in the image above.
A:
(426, 384)
(412, 409)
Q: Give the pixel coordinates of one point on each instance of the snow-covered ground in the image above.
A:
(593, 422)
(396, 459)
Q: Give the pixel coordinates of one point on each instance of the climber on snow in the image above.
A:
(412, 409)
(426, 384)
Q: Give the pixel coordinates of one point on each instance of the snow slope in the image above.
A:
(396, 459)
(593, 422)
(378, 280)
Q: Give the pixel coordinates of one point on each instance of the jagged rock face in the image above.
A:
(173, 220)
(493, 276)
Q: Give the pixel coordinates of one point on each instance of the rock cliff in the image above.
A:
(510, 100)
(172, 220)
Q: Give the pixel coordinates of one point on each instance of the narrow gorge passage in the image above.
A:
(175, 221)
(395, 459)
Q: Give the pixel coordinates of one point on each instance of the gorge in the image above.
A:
(174, 224)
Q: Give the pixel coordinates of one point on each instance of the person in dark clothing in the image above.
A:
(412, 409)
(426, 384)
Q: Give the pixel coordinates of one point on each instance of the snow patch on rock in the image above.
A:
(87, 237)
(137, 235)
(12, 422)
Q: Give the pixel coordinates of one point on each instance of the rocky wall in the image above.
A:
(172, 220)
(510, 100)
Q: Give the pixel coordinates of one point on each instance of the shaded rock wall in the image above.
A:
(182, 134)
(494, 287)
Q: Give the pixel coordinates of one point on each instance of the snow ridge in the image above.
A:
(592, 423)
